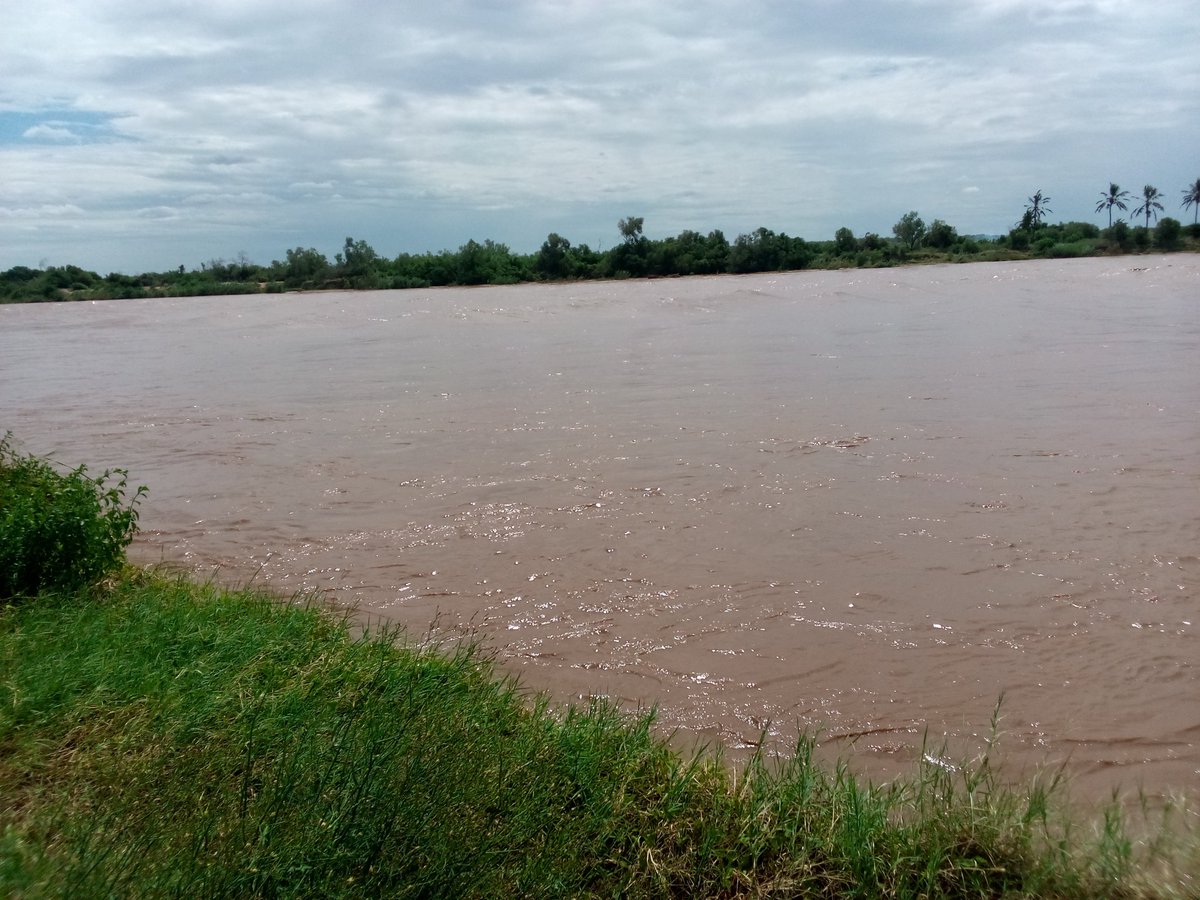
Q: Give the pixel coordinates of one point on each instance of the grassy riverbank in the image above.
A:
(163, 737)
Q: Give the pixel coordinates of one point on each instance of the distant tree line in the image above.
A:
(359, 266)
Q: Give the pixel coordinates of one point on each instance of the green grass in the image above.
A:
(168, 738)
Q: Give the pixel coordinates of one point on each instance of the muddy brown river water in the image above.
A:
(866, 503)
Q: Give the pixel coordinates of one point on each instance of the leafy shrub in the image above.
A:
(1119, 234)
(1072, 232)
(1072, 249)
(940, 235)
(1167, 233)
(405, 282)
(1044, 244)
(60, 531)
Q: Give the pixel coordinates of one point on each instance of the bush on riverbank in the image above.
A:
(162, 737)
(59, 531)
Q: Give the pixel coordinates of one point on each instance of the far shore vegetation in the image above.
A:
(360, 267)
(163, 737)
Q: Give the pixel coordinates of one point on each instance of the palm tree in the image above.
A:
(1191, 197)
(1150, 197)
(1115, 197)
(1037, 209)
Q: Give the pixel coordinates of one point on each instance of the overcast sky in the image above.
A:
(144, 135)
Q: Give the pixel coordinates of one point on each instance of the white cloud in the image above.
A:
(50, 132)
(46, 210)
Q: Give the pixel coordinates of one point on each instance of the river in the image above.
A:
(863, 503)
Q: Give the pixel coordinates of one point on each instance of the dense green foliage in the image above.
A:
(165, 738)
(359, 266)
(59, 531)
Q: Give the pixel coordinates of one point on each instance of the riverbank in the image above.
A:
(167, 737)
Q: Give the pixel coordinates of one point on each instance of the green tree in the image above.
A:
(630, 256)
(1114, 197)
(19, 275)
(910, 230)
(472, 264)
(845, 242)
(487, 263)
(1191, 197)
(1150, 202)
(690, 253)
(1167, 232)
(766, 251)
(716, 251)
(631, 229)
(303, 267)
(586, 262)
(219, 270)
(1036, 211)
(940, 235)
(356, 263)
(553, 260)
